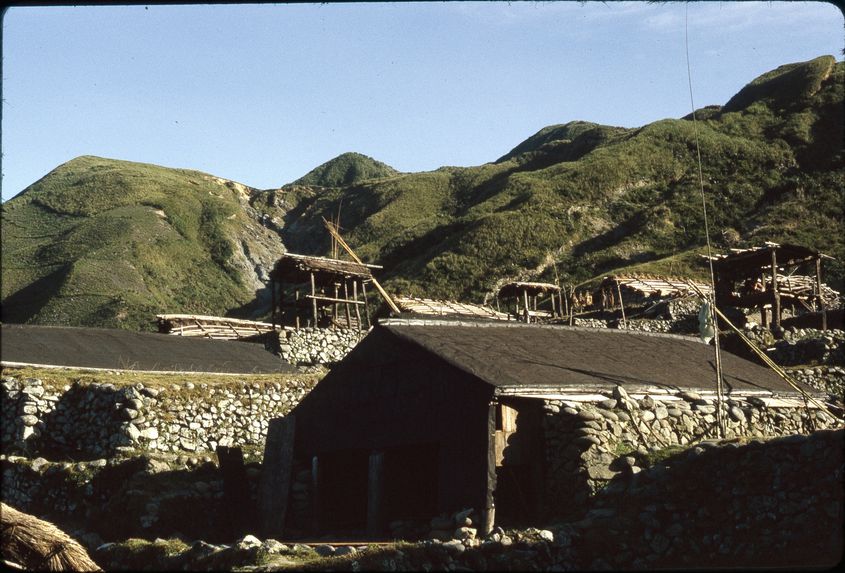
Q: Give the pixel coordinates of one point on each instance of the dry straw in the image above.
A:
(32, 544)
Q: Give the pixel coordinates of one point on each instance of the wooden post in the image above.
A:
(375, 494)
(277, 468)
(525, 299)
(552, 298)
(357, 312)
(488, 515)
(819, 290)
(346, 305)
(775, 293)
(314, 300)
(296, 308)
(334, 305)
(366, 306)
(315, 494)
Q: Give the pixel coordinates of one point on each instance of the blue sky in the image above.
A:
(264, 93)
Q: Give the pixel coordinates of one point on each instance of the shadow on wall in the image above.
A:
(89, 422)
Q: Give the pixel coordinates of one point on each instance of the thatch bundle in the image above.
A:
(29, 543)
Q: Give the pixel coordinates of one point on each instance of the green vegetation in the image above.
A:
(110, 243)
(346, 169)
(100, 242)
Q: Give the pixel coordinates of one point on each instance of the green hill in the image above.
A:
(111, 243)
(346, 169)
(579, 200)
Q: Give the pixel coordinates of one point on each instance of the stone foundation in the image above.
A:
(309, 346)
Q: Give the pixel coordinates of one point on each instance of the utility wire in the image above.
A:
(714, 318)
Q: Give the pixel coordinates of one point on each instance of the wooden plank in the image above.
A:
(375, 494)
(277, 468)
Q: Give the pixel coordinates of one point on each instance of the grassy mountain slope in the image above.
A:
(579, 200)
(102, 242)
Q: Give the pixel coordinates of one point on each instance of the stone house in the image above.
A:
(519, 422)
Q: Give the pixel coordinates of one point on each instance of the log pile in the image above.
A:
(216, 327)
(431, 307)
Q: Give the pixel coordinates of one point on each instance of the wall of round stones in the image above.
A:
(84, 421)
(311, 346)
(589, 444)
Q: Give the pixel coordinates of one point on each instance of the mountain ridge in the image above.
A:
(570, 203)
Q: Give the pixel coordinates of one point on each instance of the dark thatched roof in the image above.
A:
(125, 350)
(293, 268)
(519, 356)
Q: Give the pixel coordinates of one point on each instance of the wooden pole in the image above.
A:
(819, 290)
(525, 299)
(357, 312)
(334, 306)
(622, 306)
(366, 306)
(352, 254)
(346, 306)
(775, 293)
(296, 308)
(314, 300)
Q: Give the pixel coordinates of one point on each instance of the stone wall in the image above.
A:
(310, 346)
(775, 503)
(97, 420)
(589, 443)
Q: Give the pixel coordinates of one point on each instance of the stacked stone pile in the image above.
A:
(90, 421)
(830, 379)
(309, 346)
(809, 346)
(589, 444)
(761, 504)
